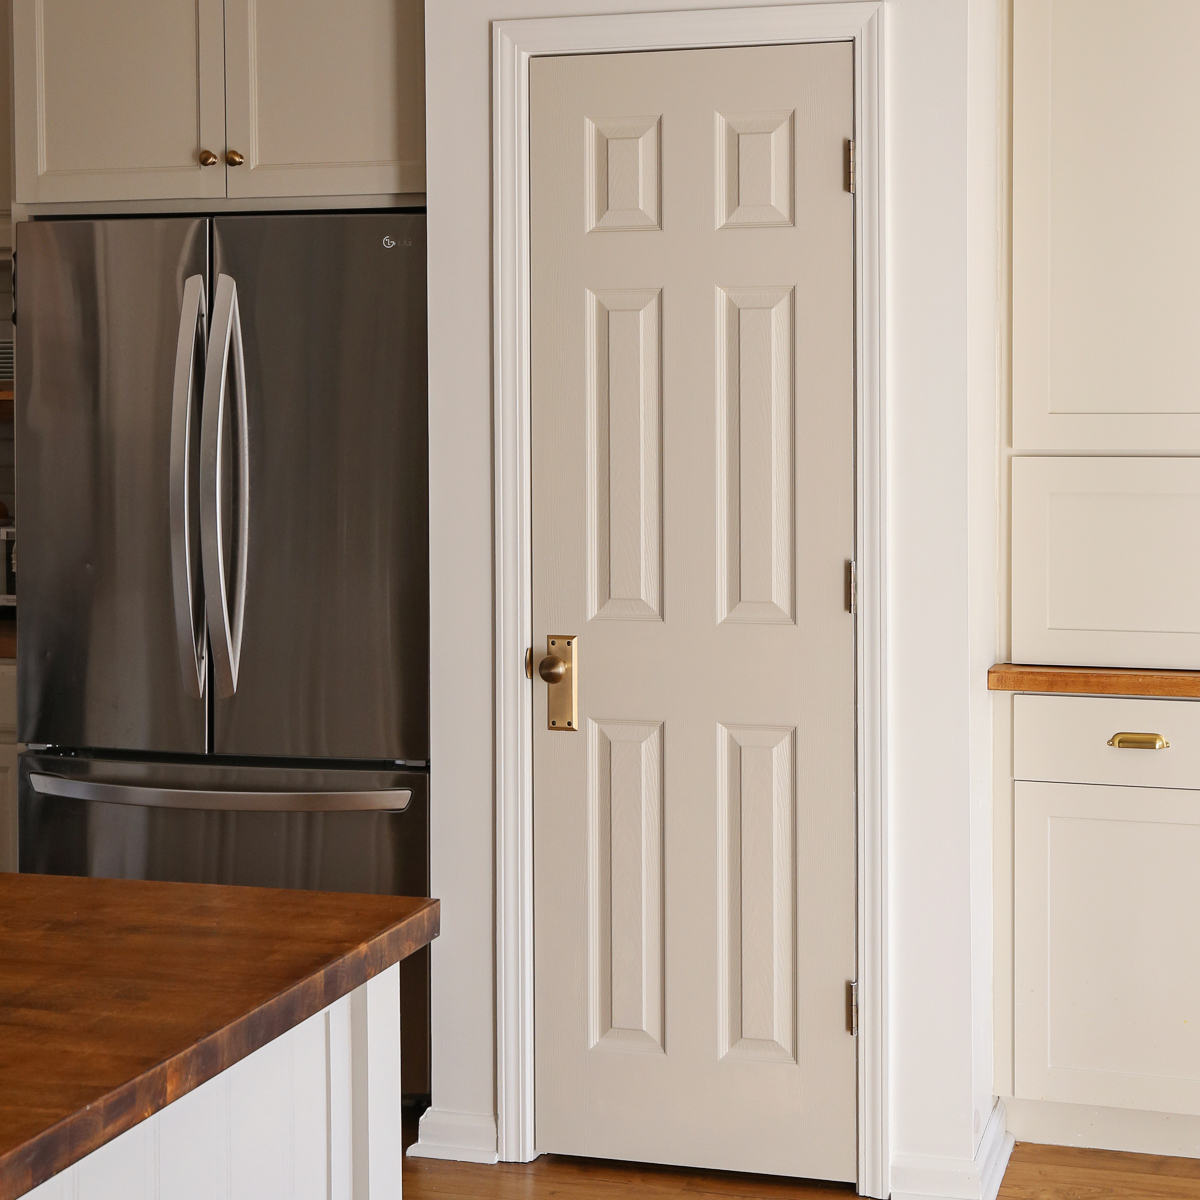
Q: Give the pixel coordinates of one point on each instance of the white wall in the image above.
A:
(940, 288)
(984, 255)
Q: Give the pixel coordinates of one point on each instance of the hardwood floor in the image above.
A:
(1066, 1173)
(1034, 1173)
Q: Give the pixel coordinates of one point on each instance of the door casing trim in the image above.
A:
(514, 43)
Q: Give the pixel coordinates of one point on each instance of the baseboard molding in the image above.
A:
(928, 1177)
(1055, 1124)
(462, 1137)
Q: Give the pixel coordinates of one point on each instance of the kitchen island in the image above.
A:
(177, 1040)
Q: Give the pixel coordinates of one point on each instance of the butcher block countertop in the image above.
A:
(119, 996)
(1095, 681)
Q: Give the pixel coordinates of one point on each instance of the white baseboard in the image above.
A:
(1130, 1129)
(463, 1137)
(928, 1177)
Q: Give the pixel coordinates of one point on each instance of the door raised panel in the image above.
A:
(623, 173)
(755, 184)
(625, 895)
(115, 101)
(1106, 561)
(624, 454)
(326, 99)
(755, 477)
(756, 894)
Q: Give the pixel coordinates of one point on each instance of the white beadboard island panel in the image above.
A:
(312, 1115)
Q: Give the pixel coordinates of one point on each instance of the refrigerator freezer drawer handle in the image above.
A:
(189, 607)
(224, 619)
(381, 800)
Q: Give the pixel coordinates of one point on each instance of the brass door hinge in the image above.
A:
(851, 586)
(850, 166)
(852, 1007)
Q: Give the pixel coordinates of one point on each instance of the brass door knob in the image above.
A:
(552, 669)
(207, 158)
(233, 158)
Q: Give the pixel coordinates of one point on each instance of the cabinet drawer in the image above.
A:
(1065, 739)
(1106, 921)
(1106, 562)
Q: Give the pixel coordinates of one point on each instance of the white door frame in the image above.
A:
(514, 43)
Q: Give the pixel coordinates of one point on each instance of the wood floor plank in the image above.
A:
(1034, 1173)
(1071, 1173)
(1116, 1160)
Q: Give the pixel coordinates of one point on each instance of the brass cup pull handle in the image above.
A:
(234, 159)
(1139, 741)
(207, 158)
(552, 669)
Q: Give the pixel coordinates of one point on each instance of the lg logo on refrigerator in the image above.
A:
(390, 241)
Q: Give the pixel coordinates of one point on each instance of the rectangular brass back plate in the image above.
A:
(562, 698)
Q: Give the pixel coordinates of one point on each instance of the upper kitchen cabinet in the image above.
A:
(118, 101)
(325, 99)
(1106, 244)
(203, 99)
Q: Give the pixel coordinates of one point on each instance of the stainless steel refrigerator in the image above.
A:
(223, 619)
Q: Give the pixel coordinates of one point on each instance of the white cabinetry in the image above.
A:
(1106, 246)
(115, 101)
(1106, 561)
(1107, 904)
(1107, 916)
(325, 99)
(121, 100)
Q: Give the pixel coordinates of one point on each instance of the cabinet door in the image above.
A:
(325, 99)
(1106, 246)
(115, 101)
(1107, 920)
(1106, 562)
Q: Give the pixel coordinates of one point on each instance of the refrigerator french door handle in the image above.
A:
(378, 800)
(189, 621)
(224, 620)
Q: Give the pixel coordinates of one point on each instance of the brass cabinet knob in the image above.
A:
(552, 669)
(207, 158)
(233, 158)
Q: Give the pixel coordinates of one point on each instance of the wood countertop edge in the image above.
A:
(1095, 681)
(76, 1136)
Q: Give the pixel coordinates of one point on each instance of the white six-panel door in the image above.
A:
(693, 515)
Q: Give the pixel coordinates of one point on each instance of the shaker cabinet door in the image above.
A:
(325, 99)
(117, 101)
(1106, 562)
(1106, 246)
(1107, 918)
